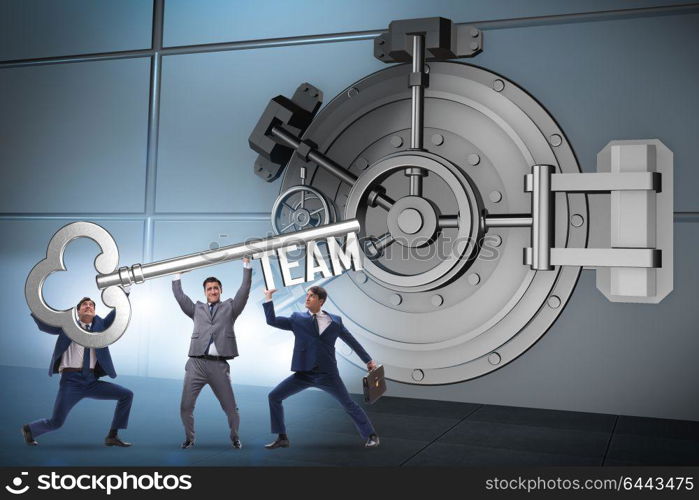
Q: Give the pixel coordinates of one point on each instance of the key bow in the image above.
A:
(105, 262)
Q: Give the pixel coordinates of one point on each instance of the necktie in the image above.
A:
(211, 341)
(86, 357)
(315, 324)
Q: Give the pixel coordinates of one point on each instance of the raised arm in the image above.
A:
(241, 297)
(272, 319)
(53, 330)
(185, 302)
(109, 318)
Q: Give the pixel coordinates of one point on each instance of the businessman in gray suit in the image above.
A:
(213, 344)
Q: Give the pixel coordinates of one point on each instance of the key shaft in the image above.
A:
(138, 273)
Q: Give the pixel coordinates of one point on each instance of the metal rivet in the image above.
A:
(418, 375)
(554, 302)
(437, 139)
(474, 159)
(353, 92)
(380, 41)
(577, 220)
(555, 140)
(474, 279)
(396, 141)
(494, 358)
(495, 196)
(361, 163)
(437, 300)
(427, 69)
(498, 85)
(495, 240)
(475, 33)
(474, 45)
(213, 245)
(395, 299)
(361, 277)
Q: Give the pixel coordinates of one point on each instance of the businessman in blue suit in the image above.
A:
(314, 364)
(80, 370)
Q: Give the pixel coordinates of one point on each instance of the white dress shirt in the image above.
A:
(212, 347)
(73, 356)
(324, 320)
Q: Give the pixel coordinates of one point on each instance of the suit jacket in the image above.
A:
(311, 349)
(218, 324)
(104, 364)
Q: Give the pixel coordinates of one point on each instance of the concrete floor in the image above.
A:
(413, 432)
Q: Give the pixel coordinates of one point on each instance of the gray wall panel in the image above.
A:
(212, 21)
(210, 104)
(46, 28)
(74, 137)
(22, 244)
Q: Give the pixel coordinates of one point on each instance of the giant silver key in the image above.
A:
(111, 279)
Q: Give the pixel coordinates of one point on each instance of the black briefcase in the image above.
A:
(374, 385)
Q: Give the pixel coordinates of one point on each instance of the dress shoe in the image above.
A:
(372, 442)
(115, 441)
(187, 444)
(278, 443)
(27, 433)
(237, 444)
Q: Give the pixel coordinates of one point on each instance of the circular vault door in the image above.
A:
(443, 298)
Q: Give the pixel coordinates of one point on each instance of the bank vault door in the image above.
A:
(474, 211)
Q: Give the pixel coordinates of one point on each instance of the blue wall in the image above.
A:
(74, 141)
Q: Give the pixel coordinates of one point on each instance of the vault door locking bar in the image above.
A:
(637, 175)
(543, 183)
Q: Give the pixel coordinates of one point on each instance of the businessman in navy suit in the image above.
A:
(314, 364)
(80, 370)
